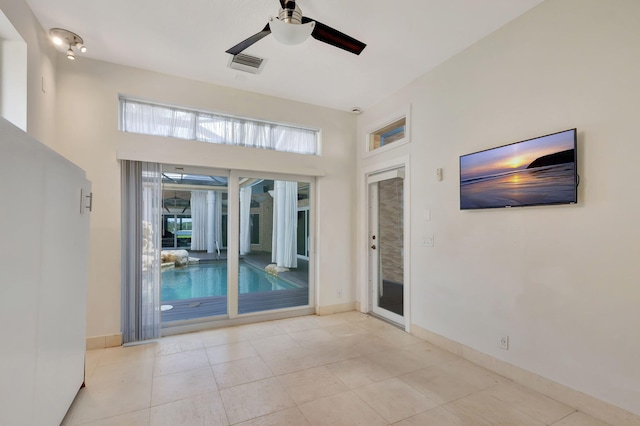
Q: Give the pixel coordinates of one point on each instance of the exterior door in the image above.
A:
(194, 205)
(272, 275)
(386, 244)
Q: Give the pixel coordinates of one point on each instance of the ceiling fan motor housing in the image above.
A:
(291, 13)
(301, 28)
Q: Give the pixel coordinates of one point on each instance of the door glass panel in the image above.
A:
(168, 231)
(255, 228)
(194, 259)
(302, 233)
(224, 229)
(390, 241)
(271, 274)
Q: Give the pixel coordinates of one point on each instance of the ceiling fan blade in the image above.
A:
(334, 37)
(251, 40)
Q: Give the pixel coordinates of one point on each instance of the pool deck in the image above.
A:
(247, 302)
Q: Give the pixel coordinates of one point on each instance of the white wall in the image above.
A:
(87, 134)
(13, 74)
(561, 281)
(40, 72)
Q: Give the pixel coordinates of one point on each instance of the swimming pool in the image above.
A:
(210, 279)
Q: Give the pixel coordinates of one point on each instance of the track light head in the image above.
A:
(65, 39)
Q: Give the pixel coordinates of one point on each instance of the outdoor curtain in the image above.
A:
(206, 220)
(141, 244)
(199, 219)
(285, 224)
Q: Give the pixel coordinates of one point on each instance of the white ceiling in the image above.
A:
(405, 39)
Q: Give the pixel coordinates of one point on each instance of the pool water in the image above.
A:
(210, 279)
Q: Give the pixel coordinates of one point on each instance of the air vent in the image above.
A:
(246, 63)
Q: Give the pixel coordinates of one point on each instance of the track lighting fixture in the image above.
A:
(67, 40)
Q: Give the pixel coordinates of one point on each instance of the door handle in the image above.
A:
(83, 205)
(373, 246)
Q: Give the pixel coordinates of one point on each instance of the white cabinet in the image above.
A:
(44, 246)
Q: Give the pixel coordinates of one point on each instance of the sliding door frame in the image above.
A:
(233, 250)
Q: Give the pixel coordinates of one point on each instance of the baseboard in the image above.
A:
(107, 341)
(335, 309)
(588, 404)
(195, 325)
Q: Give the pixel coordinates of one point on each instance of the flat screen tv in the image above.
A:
(533, 172)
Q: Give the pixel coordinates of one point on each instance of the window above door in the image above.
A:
(389, 134)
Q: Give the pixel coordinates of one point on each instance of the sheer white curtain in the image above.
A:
(141, 210)
(162, 120)
(150, 119)
(245, 224)
(285, 224)
(199, 220)
(290, 139)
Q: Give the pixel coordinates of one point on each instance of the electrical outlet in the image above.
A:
(504, 342)
(427, 240)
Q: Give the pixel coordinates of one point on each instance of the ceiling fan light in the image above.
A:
(290, 34)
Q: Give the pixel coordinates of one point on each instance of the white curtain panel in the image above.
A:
(162, 120)
(141, 244)
(285, 224)
(199, 219)
(290, 139)
(245, 224)
(158, 120)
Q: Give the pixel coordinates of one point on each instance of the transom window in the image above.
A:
(388, 134)
(161, 120)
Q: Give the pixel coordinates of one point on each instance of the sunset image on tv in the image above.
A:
(532, 172)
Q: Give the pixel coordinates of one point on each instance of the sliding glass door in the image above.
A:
(233, 244)
(271, 272)
(194, 276)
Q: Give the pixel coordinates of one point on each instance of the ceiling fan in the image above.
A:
(290, 27)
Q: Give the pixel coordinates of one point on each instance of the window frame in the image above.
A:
(405, 114)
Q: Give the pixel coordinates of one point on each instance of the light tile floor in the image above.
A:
(344, 369)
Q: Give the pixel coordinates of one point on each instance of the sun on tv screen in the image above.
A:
(533, 172)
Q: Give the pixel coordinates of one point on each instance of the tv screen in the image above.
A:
(533, 172)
